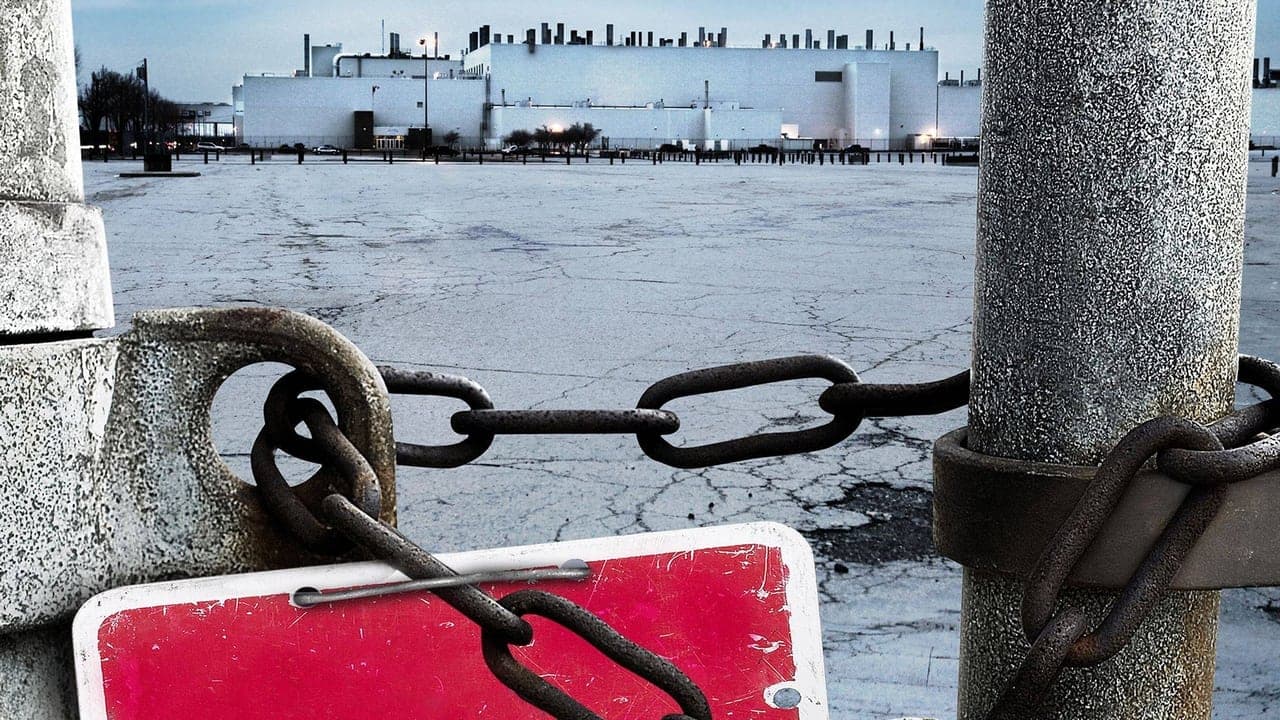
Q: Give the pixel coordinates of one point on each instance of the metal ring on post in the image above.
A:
(403, 382)
(534, 689)
(220, 342)
(737, 377)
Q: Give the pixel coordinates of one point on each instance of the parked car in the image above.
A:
(209, 147)
(327, 150)
(515, 150)
(442, 151)
(763, 149)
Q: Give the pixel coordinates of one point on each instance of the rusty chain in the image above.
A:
(1188, 452)
(341, 522)
(1209, 459)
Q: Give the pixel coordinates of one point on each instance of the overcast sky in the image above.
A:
(198, 49)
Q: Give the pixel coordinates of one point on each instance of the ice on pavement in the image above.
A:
(565, 287)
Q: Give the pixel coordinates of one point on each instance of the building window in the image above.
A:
(419, 103)
(828, 76)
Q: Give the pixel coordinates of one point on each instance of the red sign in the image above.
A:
(735, 608)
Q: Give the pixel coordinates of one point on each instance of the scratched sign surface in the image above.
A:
(735, 608)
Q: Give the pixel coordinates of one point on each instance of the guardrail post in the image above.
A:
(1107, 290)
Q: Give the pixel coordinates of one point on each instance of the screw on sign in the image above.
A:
(735, 608)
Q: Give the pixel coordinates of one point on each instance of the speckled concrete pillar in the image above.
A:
(1110, 242)
(53, 257)
(53, 280)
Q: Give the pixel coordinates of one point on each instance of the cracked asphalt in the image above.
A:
(566, 287)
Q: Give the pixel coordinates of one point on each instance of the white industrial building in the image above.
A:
(640, 92)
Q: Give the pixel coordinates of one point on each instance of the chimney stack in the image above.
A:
(531, 38)
(559, 33)
(831, 39)
(842, 42)
(724, 37)
(795, 41)
(808, 39)
(474, 43)
(485, 36)
(684, 39)
(591, 37)
(608, 32)
(871, 40)
(768, 40)
(1266, 72)
(306, 57)
(922, 38)
(702, 36)
(893, 44)
(650, 38)
(1257, 73)
(546, 33)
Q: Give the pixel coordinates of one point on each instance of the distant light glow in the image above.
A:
(557, 128)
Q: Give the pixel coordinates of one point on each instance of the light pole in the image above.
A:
(426, 88)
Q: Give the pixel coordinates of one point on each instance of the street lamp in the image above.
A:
(426, 91)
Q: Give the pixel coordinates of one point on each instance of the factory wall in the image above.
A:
(647, 127)
(316, 111)
(353, 66)
(959, 111)
(779, 80)
(1266, 116)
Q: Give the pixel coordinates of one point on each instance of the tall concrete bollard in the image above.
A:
(108, 474)
(1089, 318)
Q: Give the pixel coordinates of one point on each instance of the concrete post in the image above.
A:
(1110, 241)
(53, 259)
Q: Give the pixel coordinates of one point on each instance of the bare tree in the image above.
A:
(519, 138)
(112, 102)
